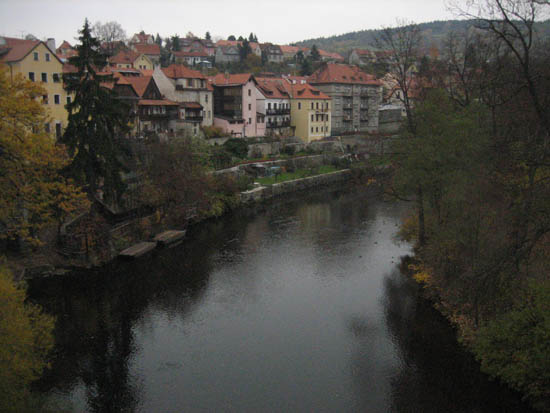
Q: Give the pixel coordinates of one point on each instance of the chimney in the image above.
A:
(51, 44)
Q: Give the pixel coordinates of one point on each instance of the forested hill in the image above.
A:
(433, 33)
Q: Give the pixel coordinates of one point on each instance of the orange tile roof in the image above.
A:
(335, 56)
(221, 79)
(16, 49)
(306, 91)
(180, 71)
(272, 88)
(139, 83)
(191, 105)
(290, 49)
(146, 72)
(150, 49)
(340, 73)
(124, 56)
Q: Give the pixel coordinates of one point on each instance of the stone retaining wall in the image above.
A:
(266, 192)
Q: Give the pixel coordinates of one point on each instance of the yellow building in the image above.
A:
(310, 112)
(128, 59)
(36, 62)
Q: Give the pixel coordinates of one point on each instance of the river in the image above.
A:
(300, 307)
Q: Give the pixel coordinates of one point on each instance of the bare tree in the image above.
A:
(109, 34)
(401, 44)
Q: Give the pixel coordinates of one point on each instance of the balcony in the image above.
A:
(271, 112)
(347, 118)
(283, 124)
(193, 118)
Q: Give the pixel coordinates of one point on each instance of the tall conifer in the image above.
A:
(97, 123)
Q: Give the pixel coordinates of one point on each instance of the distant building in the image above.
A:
(194, 58)
(142, 38)
(192, 91)
(275, 105)
(131, 59)
(361, 57)
(310, 111)
(356, 97)
(152, 51)
(272, 53)
(34, 60)
(235, 105)
(65, 51)
(227, 54)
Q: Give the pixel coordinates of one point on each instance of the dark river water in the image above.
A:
(299, 308)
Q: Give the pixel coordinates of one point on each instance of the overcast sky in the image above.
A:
(276, 21)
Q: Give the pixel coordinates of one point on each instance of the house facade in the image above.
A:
(235, 105)
(192, 91)
(274, 103)
(130, 59)
(310, 112)
(227, 54)
(272, 53)
(361, 57)
(152, 51)
(356, 97)
(35, 61)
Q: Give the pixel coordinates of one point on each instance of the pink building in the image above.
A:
(236, 105)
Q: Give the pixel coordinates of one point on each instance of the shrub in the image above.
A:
(237, 147)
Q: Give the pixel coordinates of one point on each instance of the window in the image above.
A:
(312, 129)
(190, 82)
(58, 130)
(269, 105)
(56, 77)
(311, 105)
(274, 106)
(44, 77)
(317, 105)
(31, 76)
(68, 100)
(250, 121)
(35, 56)
(312, 118)
(45, 99)
(249, 92)
(299, 105)
(208, 114)
(47, 57)
(206, 98)
(250, 106)
(47, 127)
(317, 129)
(56, 99)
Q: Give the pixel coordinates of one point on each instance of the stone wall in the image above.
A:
(267, 192)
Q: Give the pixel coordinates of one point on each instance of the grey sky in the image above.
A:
(277, 21)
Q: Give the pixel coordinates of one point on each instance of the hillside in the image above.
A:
(433, 34)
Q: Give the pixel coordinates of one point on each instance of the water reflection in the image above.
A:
(298, 308)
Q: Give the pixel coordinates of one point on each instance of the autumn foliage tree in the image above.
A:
(26, 338)
(33, 193)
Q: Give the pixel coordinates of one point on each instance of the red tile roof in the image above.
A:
(290, 49)
(124, 57)
(272, 88)
(191, 105)
(139, 83)
(335, 56)
(305, 91)
(221, 79)
(150, 49)
(16, 49)
(180, 71)
(339, 73)
(363, 52)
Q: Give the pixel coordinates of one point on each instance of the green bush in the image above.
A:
(237, 147)
(516, 347)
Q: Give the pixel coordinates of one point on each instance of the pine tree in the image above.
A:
(208, 36)
(97, 122)
(315, 56)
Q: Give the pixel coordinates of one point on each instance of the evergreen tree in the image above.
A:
(158, 40)
(306, 69)
(244, 50)
(315, 56)
(97, 121)
(240, 39)
(176, 47)
(207, 36)
(231, 38)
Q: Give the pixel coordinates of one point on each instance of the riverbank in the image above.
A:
(47, 262)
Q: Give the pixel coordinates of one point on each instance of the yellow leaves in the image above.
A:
(32, 191)
(25, 342)
(421, 274)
